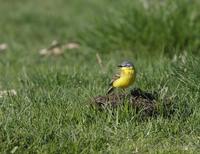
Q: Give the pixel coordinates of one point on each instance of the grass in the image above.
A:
(51, 113)
(135, 26)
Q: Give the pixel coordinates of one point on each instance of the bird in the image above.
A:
(124, 78)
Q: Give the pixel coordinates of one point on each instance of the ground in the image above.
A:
(51, 111)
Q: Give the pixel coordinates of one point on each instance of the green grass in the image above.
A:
(51, 112)
(152, 26)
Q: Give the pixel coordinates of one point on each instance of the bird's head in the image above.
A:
(126, 65)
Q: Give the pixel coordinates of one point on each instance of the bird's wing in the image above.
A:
(115, 77)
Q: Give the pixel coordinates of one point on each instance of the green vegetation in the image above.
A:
(51, 112)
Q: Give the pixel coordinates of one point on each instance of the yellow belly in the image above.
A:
(123, 82)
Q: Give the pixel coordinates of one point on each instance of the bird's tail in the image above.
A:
(110, 90)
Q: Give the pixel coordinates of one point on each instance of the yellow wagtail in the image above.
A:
(125, 78)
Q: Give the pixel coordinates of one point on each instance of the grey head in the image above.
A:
(126, 64)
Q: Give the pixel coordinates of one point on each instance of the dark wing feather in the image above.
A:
(115, 77)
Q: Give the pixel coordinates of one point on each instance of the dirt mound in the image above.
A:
(145, 102)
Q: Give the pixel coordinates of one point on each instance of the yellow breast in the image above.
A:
(127, 77)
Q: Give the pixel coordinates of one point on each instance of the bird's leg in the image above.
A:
(124, 92)
(118, 95)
